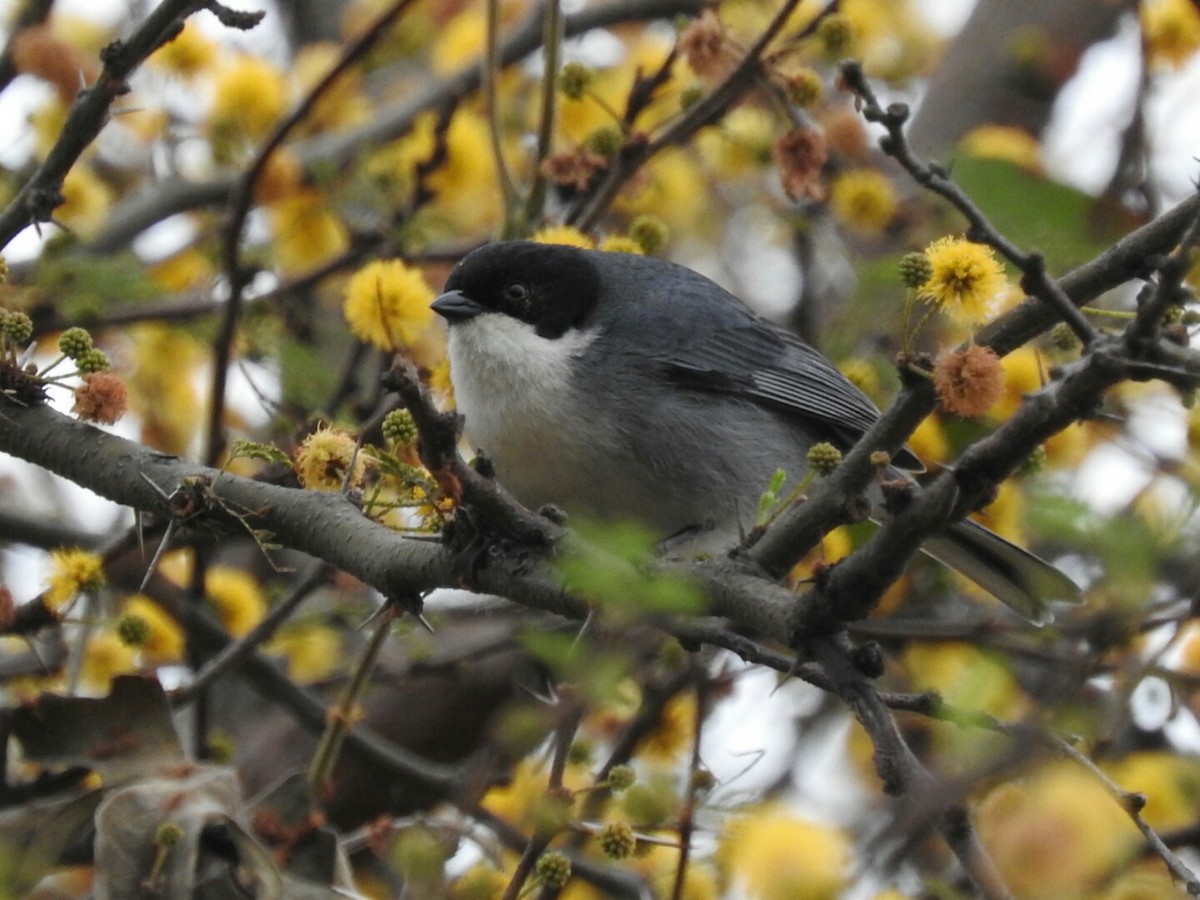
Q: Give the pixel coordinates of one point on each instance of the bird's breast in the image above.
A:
(521, 407)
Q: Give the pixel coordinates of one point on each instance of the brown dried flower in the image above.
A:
(574, 167)
(968, 382)
(800, 155)
(101, 398)
(708, 47)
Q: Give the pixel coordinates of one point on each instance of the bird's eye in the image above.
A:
(515, 292)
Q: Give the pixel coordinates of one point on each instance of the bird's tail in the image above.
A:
(1013, 575)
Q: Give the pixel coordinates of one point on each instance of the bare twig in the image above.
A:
(240, 203)
(36, 201)
(1035, 280)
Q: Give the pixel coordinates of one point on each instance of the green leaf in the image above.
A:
(253, 450)
(1035, 212)
(613, 569)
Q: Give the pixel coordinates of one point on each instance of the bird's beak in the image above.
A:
(455, 306)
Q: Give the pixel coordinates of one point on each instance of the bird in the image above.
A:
(617, 386)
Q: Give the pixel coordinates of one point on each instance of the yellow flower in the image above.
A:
(165, 641)
(770, 854)
(1006, 513)
(342, 105)
(465, 183)
(324, 457)
(1171, 30)
(863, 200)
(1022, 375)
(280, 178)
(1006, 142)
(674, 188)
(249, 97)
(619, 243)
(1056, 833)
(47, 123)
(187, 270)
(160, 389)
(72, 572)
(676, 726)
(965, 676)
(312, 651)
(1170, 782)
(659, 865)
(741, 144)
(480, 882)
(87, 201)
(967, 278)
(307, 233)
(459, 42)
(237, 597)
(563, 234)
(189, 54)
(862, 374)
(929, 440)
(106, 657)
(387, 304)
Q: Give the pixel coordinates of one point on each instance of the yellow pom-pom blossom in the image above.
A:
(187, 270)
(249, 97)
(324, 457)
(1056, 834)
(87, 200)
(189, 54)
(1171, 30)
(164, 643)
(459, 41)
(237, 597)
(673, 187)
(563, 234)
(741, 145)
(312, 651)
(770, 854)
(966, 281)
(1005, 142)
(160, 391)
(105, 658)
(929, 440)
(72, 572)
(965, 676)
(1023, 374)
(674, 732)
(387, 304)
(47, 123)
(523, 800)
(307, 232)
(465, 184)
(618, 243)
(343, 104)
(660, 865)
(863, 200)
(1170, 782)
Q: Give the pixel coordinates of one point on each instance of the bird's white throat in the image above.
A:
(512, 385)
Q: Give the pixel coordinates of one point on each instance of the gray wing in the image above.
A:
(760, 362)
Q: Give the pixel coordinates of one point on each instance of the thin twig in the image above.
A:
(552, 40)
(238, 651)
(89, 113)
(491, 102)
(1035, 280)
(342, 716)
(240, 203)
